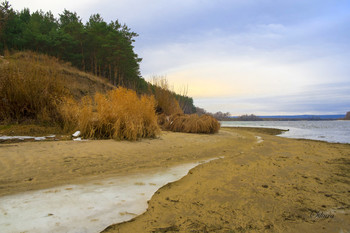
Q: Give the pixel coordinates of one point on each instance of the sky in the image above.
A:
(263, 57)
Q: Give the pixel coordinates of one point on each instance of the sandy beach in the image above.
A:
(264, 183)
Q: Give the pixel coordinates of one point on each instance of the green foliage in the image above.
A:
(186, 104)
(169, 102)
(104, 49)
(96, 46)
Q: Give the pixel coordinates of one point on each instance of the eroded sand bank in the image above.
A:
(277, 185)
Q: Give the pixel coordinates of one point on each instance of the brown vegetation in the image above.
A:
(29, 92)
(32, 87)
(77, 82)
(165, 97)
(119, 114)
(32, 130)
(171, 116)
(40, 89)
(192, 124)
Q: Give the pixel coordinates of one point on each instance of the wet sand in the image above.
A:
(277, 185)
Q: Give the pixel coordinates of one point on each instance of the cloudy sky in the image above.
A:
(239, 56)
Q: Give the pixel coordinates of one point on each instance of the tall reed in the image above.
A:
(33, 85)
(192, 124)
(165, 97)
(29, 92)
(120, 114)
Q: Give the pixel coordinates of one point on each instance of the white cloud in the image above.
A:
(144, 13)
(236, 64)
(56, 7)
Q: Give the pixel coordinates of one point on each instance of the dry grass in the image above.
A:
(36, 88)
(120, 114)
(166, 102)
(33, 85)
(77, 82)
(171, 116)
(191, 124)
(70, 111)
(29, 92)
(40, 89)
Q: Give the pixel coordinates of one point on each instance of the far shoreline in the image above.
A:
(327, 131)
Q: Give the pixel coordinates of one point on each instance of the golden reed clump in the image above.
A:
(191, 124)
(120, 114)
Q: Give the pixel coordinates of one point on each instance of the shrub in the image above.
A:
(192, 124)
(70, 111)
(119, 114)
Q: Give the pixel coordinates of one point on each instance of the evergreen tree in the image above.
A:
(103, 49)
(98, 47)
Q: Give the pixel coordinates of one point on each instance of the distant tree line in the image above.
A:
(227, 116)
(220, 116)
(247, 117)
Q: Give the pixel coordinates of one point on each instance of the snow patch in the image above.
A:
(79, 139)
(87, 207)
(26, 137)
(76, 134)
(259, 139)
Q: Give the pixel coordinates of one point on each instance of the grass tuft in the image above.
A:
(120, 114)
(191, 124)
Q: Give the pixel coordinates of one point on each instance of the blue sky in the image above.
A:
(240, 56)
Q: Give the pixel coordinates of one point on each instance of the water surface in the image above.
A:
(329, 131)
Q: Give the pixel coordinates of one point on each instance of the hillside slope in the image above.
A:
(38, 89)
(77, 82)
(42, 90)
(32, 86)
